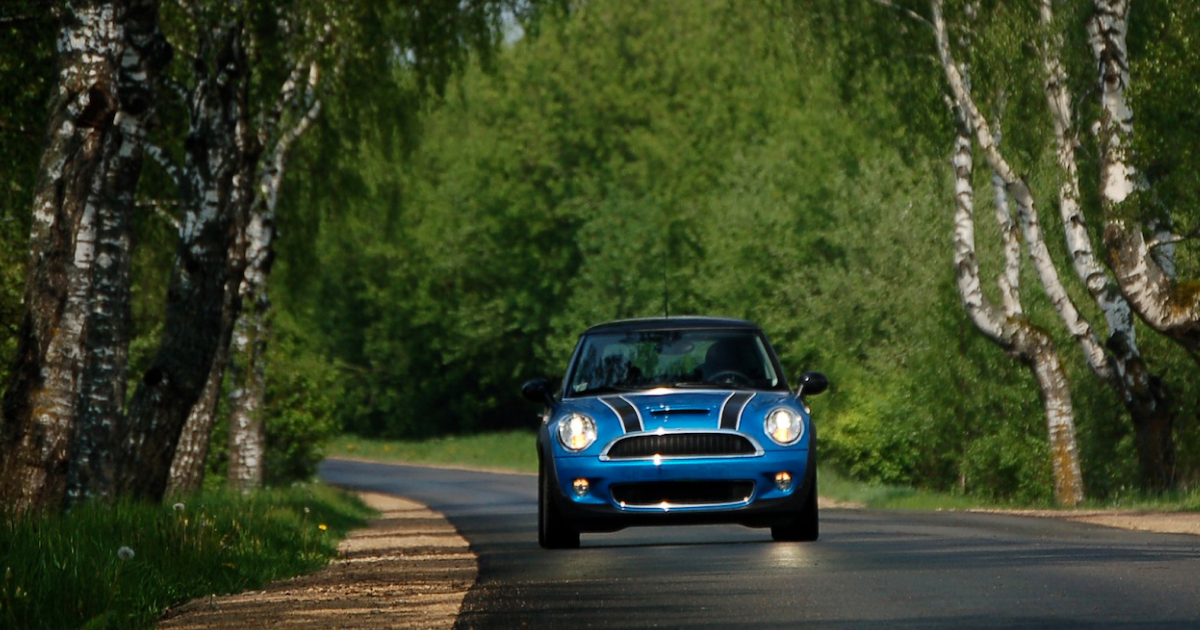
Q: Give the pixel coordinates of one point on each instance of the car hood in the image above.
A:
(674, 409)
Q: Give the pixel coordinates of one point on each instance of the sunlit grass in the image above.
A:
(839, 488)
(1176, 501)
(121, 565)
(514, 451)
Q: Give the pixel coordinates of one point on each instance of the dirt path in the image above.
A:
(411, 570)
(408, 569)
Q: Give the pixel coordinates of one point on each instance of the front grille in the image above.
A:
(680, 493)
(681, 445)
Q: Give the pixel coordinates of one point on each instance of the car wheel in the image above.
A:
(805, 526)
(554, 530)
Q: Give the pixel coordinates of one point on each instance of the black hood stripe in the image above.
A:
(731, 411)
(631, 420)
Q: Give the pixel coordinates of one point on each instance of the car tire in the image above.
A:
(805, 526)
(554, 529)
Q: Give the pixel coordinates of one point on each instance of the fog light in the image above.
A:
(581, 487)
(783, 481)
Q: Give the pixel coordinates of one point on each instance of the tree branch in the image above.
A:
(160, 156)
(161, 208)
(905, 11)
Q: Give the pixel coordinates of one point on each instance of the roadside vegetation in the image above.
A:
(122, 565)
(512, 451)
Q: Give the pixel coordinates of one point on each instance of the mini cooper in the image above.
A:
(673, 421)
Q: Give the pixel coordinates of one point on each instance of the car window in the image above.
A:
(624, 361)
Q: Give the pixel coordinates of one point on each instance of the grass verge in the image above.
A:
(514, 451)
(122, 565)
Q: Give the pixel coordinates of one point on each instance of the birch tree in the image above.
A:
(214, 189)
(294, 112)
(1121, 365)
(434, 40)
(1008, 327)
(1117, 360)
(1144, 269)
(76, 312)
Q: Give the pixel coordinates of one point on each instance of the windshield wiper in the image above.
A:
(606, 389)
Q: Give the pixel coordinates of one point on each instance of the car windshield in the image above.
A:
(624, 361)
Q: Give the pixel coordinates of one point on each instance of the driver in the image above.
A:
(731, 355)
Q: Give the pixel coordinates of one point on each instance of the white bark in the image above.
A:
(1107, 30)
(1145, 276)
(1019, 192)
(1117, 314)
(1010, 237)
(1139, 390)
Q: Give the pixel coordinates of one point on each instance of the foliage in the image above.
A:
(66, 571)
(26, 76)
(303, 393)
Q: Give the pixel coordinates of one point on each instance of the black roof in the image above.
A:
(671, 323)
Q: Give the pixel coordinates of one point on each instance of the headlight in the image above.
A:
(576, 432)
(784, 426)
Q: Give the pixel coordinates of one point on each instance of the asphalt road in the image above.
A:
(877, 569)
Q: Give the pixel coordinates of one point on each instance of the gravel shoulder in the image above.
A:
(1158, 522)
(410, 569)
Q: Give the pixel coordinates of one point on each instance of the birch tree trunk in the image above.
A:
(247, 432)
(197, 319)
(254, 200)
(39, 412)
(101, 392)
(1143, 393)
(1147, 280)
(1013, 333)
(188, 464)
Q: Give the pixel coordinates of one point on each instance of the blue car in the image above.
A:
(673, 421)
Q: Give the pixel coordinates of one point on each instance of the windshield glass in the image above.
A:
(623, 361)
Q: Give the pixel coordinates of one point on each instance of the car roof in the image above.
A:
(671, 323)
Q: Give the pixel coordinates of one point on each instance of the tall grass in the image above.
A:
(121, 565)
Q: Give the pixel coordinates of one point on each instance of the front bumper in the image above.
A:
(744, 490)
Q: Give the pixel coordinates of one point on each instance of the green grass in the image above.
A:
(839, 488)
(64, 571)
(514, 451)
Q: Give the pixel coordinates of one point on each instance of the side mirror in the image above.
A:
(538, 390)
(811, 383)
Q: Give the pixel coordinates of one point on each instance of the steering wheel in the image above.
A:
(732, 377)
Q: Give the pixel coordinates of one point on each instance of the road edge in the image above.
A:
(409, 568)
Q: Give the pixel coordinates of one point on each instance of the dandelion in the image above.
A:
(306, 510)
(178, 507)
(125, 553)
(322, 527)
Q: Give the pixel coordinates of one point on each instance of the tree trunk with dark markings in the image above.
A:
(39, 408)
(198, 318)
